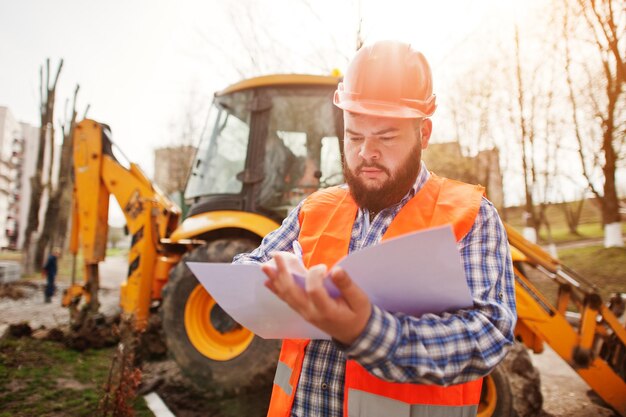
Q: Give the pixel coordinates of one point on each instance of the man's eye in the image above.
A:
(355, 138)
(387, 138)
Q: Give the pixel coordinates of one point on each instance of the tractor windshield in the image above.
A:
(223, 148)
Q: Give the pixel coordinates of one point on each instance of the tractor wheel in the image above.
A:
(496, 399)
(212, 349)
(513, 389)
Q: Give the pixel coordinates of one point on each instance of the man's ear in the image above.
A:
(426, 129)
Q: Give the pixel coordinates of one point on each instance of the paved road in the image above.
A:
(113, 272)
(581, 243)
(565, 393)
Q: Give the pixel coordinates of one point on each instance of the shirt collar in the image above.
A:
(422, 177)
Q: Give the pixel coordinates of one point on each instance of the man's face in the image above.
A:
(382, 157)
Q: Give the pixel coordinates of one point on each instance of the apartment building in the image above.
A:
(18, 154)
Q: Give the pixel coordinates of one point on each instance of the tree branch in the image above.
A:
(574, 103)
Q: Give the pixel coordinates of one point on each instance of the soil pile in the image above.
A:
(18, 330)
(16, 290)
(93, 332)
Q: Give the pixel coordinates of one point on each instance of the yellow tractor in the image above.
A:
(270, 142)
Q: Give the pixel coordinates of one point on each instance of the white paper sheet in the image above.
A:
(415, 274)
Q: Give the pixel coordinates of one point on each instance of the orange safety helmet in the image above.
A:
(387, 79)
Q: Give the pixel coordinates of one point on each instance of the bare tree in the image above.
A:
(536, 116)
(509, 99)
(472, 107)
(527, 135)
(46, 138)
(596, 83)
(255, 47)
(54, 231)
(116, 234)
(572, 212)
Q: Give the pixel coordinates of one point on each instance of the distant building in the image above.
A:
(171, 167)
(447, 160)
(10, 160)
(18, 157)
(30, 135)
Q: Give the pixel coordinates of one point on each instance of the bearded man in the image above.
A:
(382, 363)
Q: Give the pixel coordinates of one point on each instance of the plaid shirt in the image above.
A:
(442, 349)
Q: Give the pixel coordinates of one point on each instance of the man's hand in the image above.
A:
(343, 318)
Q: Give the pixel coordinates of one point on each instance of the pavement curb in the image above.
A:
(157, 406)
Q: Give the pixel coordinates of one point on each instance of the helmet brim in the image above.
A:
(382, 109)
(401, 109)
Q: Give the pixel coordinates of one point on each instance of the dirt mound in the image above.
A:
(98, 333)
(55, 334)
(18, 330)
(12, 291)
(93, 332)
(186, 399)
(18, 290)
(151, 344)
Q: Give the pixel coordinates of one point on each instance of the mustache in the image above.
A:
(362, 165)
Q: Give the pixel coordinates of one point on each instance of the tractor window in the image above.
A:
(302, 152)
(223, 148)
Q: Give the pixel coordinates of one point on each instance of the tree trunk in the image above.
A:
(572, 212)
(59, 206)
(611, 218)
(46, 134)
(603, 21)
(531, 225)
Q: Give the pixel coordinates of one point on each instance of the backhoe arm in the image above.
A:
(594, 345)
(150, 217)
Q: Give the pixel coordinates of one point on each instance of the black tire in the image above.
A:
(517, 384)
(502, 396)
(251, 370)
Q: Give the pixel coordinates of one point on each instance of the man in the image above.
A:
(283, 169)
(382, 363)
(49, 270)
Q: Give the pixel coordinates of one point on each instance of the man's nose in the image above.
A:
(369, 149)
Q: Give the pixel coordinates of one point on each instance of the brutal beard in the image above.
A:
(392, 190)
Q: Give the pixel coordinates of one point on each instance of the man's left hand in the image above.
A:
(343, 318)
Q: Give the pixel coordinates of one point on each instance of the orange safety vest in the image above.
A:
(326, 220)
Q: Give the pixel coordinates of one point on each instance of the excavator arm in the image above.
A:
(150, 219)
(593, 343)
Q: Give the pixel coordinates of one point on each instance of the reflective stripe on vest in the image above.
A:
(326, 221)
(282, 377)
(286, 378)
(458, 396)
(365, 404)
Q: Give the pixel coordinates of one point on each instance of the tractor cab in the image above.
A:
(269, 142)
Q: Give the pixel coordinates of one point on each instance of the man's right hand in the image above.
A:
(343, 318)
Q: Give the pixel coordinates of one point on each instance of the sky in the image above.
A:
(138, 62)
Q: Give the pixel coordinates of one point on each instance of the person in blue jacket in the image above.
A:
(50, 271)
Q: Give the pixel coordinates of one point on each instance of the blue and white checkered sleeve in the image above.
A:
(278, 240)
(451, 347)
